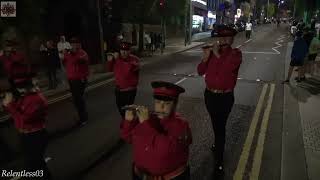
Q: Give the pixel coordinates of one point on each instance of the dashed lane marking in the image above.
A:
(183, 79)
(238, 175)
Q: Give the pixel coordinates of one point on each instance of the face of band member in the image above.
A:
(124, 53)
(7, 50)
(163, 108)
(75, 46)
(223, 41)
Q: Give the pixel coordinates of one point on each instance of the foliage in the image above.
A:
(271, 9)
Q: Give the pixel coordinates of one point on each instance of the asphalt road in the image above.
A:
(94, 151)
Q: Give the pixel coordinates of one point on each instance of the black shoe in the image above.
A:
(219, 171)
(286, 81)
(213, 147)
(82, 123)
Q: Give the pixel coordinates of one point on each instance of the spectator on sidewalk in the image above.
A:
(52, 64)
(63, 47)
(147, 42)
(248, 29)
(126, 71)
(298, 54)
(160, 140)
(220, 65)
(313, 53)
(29, 112)
(76, 63)
(308, 35)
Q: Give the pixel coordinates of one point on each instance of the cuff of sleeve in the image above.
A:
(10, 107)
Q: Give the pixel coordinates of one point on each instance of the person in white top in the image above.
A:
(248, 29)
(63, 46)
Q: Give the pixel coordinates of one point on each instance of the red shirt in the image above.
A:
(222, 73)
(159, 146)
(77, 65)
(29, 112)
(11, 63)
(126, 71)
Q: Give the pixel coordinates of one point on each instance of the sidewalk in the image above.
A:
(301, 128)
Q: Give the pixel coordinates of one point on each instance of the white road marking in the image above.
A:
(256, 166)
(248, 41)
(257, 52)
(183, 79)
(47, 159)
(238, 175)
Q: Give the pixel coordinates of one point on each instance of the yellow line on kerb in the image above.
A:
(238, 175)
(255, 171)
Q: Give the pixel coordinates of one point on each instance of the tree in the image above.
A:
(28, 23)
(271, 9)
(140, 12)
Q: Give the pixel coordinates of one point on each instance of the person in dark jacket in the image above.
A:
(52, 63)
(29, 113)
(298, 54)
(126, 71)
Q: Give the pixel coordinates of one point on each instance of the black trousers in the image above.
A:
(248, 34)
(124, 98)
(52, 77)
(219, 107)
(34, 146)
(184, 176)
(77, 88)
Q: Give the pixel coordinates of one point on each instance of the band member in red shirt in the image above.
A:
(220, 65)
(13, 62)
(76, 63)
(160, 140)
(29, 112)
(126, 72)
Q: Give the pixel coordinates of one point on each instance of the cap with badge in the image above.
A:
(223, 31)
(11, 43)
(166, 91)
(125, 46)
(75, 40)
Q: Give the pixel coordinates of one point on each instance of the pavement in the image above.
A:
(262, 129)
(301, 135)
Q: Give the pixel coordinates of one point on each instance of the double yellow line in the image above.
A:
(257, 159)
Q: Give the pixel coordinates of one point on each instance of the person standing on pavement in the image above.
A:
(160, 140)
(313, 53)
(126, 72)
(248, 29)
(63, 47)
(220, 65)
(29, 112)
(298, 54)
(52, 63)
(76, 63)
